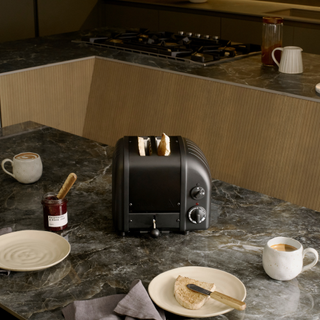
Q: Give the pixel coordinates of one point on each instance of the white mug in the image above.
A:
(291, 60)
(26, 167)
(282, 258)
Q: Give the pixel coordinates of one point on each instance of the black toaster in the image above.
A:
(160, 193)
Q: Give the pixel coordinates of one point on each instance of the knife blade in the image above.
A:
(229, 301)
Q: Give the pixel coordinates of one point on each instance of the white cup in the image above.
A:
(286, 265)
(291, 60)
(26, 167)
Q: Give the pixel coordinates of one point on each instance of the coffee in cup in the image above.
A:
(282, 258)
(26, 167)
(283, 247)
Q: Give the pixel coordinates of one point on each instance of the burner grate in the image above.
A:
(203, 51)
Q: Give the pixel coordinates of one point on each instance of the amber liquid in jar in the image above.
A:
(55, 214)
(272, 32)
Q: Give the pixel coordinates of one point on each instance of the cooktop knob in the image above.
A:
(197, 35)
(197, 214)
(180, 33)
(189, 34)
(197, 193)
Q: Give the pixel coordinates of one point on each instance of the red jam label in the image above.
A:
(58, 221)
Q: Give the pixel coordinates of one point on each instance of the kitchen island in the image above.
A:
(63, 48)
(263, 124)
(103, 263)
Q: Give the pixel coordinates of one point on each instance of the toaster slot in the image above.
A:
(144, 146)
(158, 139)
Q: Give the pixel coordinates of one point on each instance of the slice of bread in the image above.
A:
(188, 298)
(142, 151)
(164, 146)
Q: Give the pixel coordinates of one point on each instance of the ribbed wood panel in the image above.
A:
(258, 140)
(55, 95)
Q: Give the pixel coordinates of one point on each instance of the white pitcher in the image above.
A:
(291, 60)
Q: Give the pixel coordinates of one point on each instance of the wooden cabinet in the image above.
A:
(131, 17)
(241, 30)
(259, 140)
(16, 20)
(54, 95)
(189, 22)
(61, 16)
(307, 38)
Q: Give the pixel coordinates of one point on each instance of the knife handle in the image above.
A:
(229, 301)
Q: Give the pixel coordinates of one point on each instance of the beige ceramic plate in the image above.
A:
(32, 250)
(161, 290)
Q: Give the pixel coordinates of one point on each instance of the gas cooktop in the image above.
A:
(182, 46)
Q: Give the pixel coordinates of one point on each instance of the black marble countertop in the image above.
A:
(103, 263)
(248, 72)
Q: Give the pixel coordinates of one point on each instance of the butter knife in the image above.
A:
(229, 301)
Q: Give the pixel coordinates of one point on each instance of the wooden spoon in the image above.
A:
(72, 177)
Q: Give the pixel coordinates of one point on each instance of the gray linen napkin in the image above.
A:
(4, 231)
(134, 305)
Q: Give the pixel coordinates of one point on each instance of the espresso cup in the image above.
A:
(26, 167)
(291, 59)
(282, 258)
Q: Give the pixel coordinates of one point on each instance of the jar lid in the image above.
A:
(272, 20)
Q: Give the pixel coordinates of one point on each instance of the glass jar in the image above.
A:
(55, 214)
(272, 33)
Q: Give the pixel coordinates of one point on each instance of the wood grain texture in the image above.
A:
(54, 95)
(258, 140)
(229, 301)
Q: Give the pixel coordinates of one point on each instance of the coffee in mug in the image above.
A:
(26, 167)
(283, 247)
(282, 258)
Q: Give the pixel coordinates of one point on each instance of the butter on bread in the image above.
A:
(142, 151)
(164, 146)
(190, 299)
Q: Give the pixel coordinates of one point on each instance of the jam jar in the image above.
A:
(55, 214)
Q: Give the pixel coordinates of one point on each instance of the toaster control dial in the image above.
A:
(197, 214)
(197, 193)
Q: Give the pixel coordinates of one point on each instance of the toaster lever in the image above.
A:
(155, 233)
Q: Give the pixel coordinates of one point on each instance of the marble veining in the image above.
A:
(102, 262)
(22, 54)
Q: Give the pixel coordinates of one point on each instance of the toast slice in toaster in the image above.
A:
(144, 146)
(164, 146)
(190, 299)
(142, 150)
